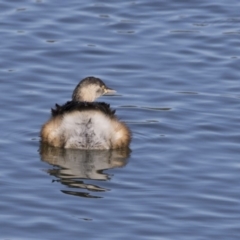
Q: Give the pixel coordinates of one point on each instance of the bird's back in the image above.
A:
(85, 126)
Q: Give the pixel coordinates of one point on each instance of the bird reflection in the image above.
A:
(73, 167)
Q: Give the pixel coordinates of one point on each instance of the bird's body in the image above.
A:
(85, 124)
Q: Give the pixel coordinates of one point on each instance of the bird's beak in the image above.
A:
(109, 91)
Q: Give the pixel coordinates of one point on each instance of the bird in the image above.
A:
(84, 124)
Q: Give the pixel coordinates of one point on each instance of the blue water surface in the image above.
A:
(175, 66)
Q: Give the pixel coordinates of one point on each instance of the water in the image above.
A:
(175, 65)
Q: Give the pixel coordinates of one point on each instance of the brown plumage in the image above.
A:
(85, 124)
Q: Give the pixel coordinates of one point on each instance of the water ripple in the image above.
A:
(175, 65)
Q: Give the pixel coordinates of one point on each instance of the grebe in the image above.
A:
(84, 124)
